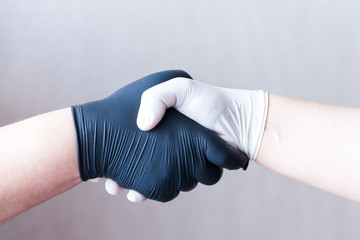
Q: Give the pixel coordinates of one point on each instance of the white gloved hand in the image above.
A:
(237, 116)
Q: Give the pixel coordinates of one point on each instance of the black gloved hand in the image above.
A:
(172, 157)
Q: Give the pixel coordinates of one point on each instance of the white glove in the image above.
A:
(114, 189)
(237, 116)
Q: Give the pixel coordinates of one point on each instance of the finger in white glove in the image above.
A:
(112, 187)
(96, 180)
(135, 197)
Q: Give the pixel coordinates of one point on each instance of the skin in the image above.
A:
(39, 160)
(313, 143)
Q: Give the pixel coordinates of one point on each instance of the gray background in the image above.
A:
(61, 52)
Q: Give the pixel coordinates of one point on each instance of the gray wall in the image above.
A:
(61, 52)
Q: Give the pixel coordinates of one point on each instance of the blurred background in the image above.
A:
(57, 53)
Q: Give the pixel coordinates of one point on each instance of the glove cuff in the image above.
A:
(263, 123)
(80, 132)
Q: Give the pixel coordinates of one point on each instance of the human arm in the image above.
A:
(38, 161)
(313, 143)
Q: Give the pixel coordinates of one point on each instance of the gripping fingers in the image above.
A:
(135, 197)
(208, 173)
(112, 187)
(223, 155)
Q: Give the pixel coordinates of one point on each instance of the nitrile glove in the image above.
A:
(172, 157)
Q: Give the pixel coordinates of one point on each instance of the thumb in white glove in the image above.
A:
(237, 116)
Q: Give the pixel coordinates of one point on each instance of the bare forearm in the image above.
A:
(313, 143)
(38, 161)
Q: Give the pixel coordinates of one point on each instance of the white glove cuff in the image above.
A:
(263, 124)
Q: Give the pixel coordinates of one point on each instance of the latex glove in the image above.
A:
(237, 116)
(114, 189)
(160, 163)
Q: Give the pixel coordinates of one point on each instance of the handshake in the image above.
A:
(164, 133)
